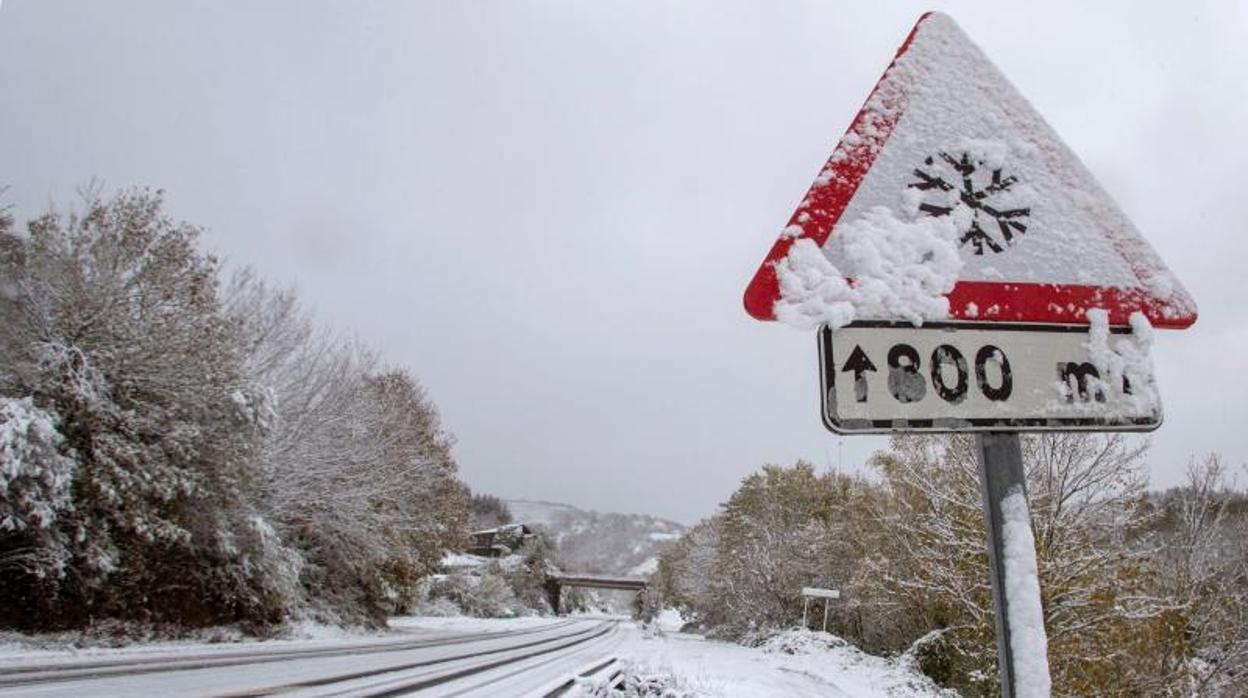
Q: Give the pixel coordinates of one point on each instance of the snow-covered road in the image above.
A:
(481, 660)
(461, 656)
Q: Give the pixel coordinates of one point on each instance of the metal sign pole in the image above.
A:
(1000, 473)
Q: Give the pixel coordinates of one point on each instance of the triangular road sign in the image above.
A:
(945, 134)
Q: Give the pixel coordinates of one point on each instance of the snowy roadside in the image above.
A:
(792, 664)
(20, 648)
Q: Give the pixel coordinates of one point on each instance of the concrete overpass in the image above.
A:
(556, 582)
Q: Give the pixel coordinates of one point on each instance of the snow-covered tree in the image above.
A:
(354, 465)
(115, 326)
(174, 451)
(1089, 511)
(1086, 494)
(1201, 557)
(489, 511)
(687, 576)
(783, 529)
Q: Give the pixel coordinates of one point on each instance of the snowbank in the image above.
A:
(110, 639)
(669, 620)
(791, 664)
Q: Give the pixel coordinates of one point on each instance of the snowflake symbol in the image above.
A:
(975, 198)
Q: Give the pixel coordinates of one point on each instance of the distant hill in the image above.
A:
(605, 543)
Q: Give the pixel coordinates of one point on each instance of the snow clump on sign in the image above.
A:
(1027, 637)
(1124, 386)
(1127, 359)
(894, 270)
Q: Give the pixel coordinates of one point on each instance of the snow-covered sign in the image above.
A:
(950, 198)
(817, 593)
(886, 377)
(950, 201)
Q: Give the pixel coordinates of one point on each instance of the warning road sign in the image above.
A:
(945, 135)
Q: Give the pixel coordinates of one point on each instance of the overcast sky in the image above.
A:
(548, 211)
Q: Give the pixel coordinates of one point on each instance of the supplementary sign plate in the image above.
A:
(817, 593)
(882, 377)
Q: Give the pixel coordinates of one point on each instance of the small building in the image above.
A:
(501, 541)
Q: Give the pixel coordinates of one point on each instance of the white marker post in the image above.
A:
(828, 595)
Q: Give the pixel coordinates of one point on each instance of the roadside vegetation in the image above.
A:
(1144, 593)
(181, 446)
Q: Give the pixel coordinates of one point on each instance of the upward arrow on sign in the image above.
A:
(945, 135)
(859, 363)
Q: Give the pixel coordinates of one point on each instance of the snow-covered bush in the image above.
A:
(483, 595)
(490, 597)
(636, 681)
(801, 641)
(258, 571)
(509, 586)
(35, 480)
(34, 475)
(440, 607)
